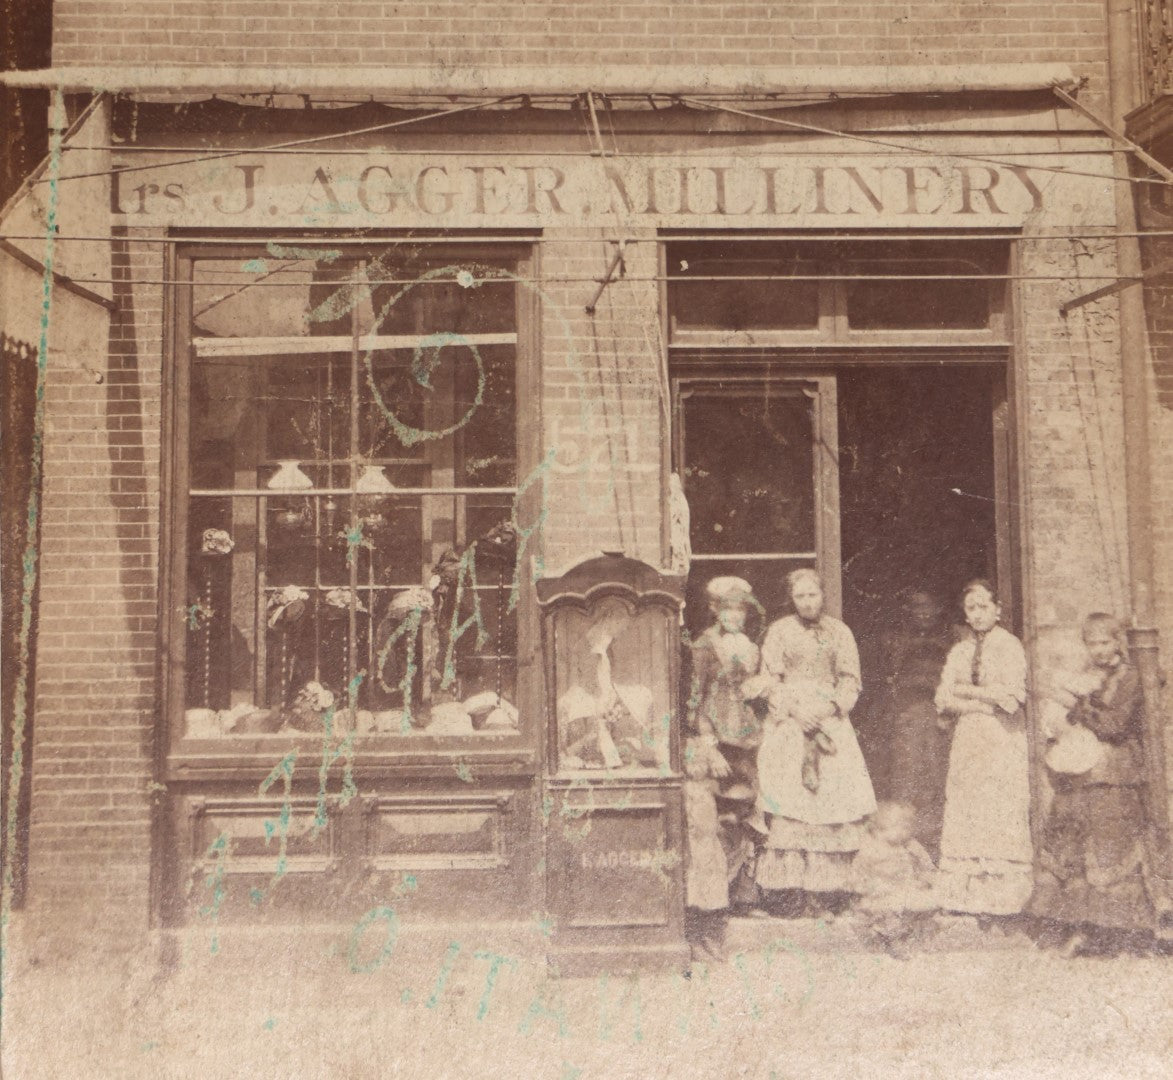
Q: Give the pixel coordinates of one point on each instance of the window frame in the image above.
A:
(179, 756)
(833, 330)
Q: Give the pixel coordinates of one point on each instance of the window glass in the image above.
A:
(755, 294)
(349, 499)
(955, 294)
(749, 469)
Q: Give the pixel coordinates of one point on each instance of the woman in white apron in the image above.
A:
(814, 788)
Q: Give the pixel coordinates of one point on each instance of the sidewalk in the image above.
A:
(793, 1001)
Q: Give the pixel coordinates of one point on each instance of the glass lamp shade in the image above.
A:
(373, 480)
(289, 477)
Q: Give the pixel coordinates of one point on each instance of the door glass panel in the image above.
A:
(748, 464)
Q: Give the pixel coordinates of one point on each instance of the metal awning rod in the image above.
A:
(616, 264)
(1160, 270)
(1115, 134)
(569, 81)
(64, 281)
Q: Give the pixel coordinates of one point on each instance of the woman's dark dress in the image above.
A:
(1091, 866)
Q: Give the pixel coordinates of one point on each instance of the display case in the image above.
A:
(615, 838)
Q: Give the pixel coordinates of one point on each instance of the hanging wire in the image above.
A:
(308, 141)
(342, 151)
(1112, 552)
(793, 125)
(890, 144)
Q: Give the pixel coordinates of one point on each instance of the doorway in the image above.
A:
(892, 478)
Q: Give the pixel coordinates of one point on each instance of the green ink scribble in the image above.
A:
(148, 1046)
(269, 1024)
(254, 266)
(544, 925)
(322, 255)
(467, 568)
(199, 615)
(422, 365)
(540, 472)
(349, 295)
(540, 1010)
(569, 812)
(330, 754)
(218, 852)
(354, 540)
(387, 914)
(547, 807)
(463, 772)
(282, 771)
(570, 1072)
(406, 629)
(496, 962)
(445, 971)
(405, 995)
(662, 861)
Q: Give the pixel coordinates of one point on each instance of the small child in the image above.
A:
(1071, 748)
(723, 657)
(707, 874)
(894, 879)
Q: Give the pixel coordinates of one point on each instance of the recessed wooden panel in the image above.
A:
(444, 831)
(614, 860)
(254, 829)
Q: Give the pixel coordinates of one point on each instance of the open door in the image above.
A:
(758, 458)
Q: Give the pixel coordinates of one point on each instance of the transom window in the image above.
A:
(835, 291)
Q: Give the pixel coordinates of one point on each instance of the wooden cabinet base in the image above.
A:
(615, 875)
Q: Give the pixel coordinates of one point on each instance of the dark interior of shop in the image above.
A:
(917, 511)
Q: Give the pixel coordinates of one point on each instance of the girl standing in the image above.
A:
(985, 863)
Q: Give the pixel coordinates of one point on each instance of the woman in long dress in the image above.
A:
(1090, 877)
(814, 786)
(985, 863)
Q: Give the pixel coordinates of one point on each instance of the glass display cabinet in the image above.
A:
(615, 839)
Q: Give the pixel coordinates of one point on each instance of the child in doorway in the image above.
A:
(706, 873)
(894, 879)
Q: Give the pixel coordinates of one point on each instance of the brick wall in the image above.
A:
(456, 32)
(601, 404)
(96, 696)
(1073, 436)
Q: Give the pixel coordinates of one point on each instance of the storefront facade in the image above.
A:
(371, 376)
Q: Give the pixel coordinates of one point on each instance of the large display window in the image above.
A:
(344, 516)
